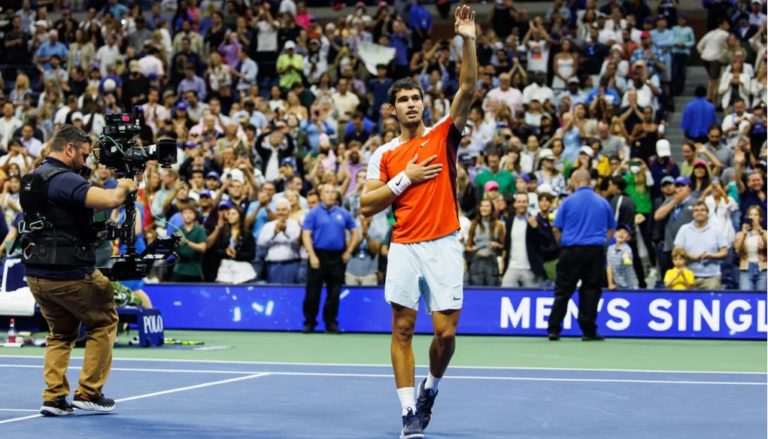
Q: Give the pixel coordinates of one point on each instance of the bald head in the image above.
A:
(581, 178)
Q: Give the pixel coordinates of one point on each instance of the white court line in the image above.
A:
(17, 410)
(389, 366)
(450, 377)
(162, 392)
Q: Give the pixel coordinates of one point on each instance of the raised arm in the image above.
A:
(465, 26)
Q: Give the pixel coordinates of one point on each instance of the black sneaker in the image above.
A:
(94, 404)
(424, 403)
(332, 329)
(411, 426)
(308, 329)
(553, 336)
(59, 407)
(593, 337)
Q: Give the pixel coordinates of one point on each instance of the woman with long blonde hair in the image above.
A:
(21, 89)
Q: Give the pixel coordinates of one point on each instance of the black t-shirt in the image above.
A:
(65, 189)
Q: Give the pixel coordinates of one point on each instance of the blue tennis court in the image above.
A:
(203, 399)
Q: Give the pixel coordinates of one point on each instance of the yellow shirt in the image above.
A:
(679, 284)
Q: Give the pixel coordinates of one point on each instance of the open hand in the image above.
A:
(465, 22)
(423, 171)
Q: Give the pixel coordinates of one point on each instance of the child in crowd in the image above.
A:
(621, 274)
(678, 277)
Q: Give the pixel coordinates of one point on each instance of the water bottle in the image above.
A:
(12, 331)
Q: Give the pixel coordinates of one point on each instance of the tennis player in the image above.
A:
(416, 173)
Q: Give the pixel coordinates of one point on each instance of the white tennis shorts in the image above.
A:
(432, 269)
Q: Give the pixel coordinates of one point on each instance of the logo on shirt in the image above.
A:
(339, 217)
(423, 143)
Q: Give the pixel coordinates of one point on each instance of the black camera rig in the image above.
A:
(121, 150)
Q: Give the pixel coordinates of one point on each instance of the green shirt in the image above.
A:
(504, 178)
(643, 202)
(190, 262)
(290, 77)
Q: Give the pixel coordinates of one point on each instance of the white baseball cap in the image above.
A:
(663, 148)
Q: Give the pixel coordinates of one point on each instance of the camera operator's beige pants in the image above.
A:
(64, 304)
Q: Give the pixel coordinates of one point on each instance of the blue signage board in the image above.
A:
(648, 313)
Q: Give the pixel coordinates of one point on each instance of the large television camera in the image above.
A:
(121, 150)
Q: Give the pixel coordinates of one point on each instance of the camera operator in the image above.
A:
(58, 250)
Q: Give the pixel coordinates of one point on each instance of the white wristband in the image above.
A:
(399, 184)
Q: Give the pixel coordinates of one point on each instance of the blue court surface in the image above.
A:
(207, 399)
(210, 399)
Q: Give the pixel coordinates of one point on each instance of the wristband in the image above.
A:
(399, 184)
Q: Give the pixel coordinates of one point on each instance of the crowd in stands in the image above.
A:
(273, 108)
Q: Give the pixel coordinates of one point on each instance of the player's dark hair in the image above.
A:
(403, 84)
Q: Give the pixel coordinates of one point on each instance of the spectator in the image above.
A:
(624, 211)
(502, 177)
(698, 116)
(619, 261)
(323, 237)
(676, 210)
(363, 265)
(235, 247)
(750, 246)
(290, 66)
(51, 47)
(684, 40)
(523, 262)
(189, 267)
(8, 125)
(281, 238)
(484, 243)
(705, 246)
(710, 47)
(663, 165)
(542, 225)
(753, 194)
(679, 277)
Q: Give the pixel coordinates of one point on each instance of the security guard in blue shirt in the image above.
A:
(324, 237)
(583, 224)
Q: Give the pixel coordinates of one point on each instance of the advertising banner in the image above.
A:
(648, 313)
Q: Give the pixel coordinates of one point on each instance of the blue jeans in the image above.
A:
(283, 272)
(752, 279)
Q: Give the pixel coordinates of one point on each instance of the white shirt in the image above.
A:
(33, 146)
(518, 254)
(482, 135)
(527, 160)
(285, 245)
(729, 121)
(150, 64)
(267, 37)
(7, 128)
(541, 93)
(712, 45)
(249, 69)
(99, 122)
(106, 55)
(345, 104)
(512, 98)
(23, 164)
(61, 114)
(538, 56)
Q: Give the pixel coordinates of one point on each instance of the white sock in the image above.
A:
(432, 382)
(407, 399)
